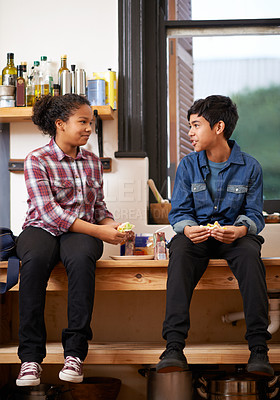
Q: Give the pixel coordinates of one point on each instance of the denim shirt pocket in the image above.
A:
(236, 195)
(198, 187)
(237, 189)
(199, 192)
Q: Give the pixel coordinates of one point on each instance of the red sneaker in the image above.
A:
(72, 370)
(29, 374)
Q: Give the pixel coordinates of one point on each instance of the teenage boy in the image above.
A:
(216, 182)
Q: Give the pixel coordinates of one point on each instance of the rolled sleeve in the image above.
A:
(253, 217)
(243, 220)
(180, 226)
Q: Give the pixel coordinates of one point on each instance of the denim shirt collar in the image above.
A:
(235, 157)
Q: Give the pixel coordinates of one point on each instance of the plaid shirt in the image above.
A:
(61, 189)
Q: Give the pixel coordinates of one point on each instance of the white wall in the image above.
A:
(85, 30)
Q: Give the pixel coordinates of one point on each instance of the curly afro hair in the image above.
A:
(49, 109)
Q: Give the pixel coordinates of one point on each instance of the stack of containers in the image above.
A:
(102, 89)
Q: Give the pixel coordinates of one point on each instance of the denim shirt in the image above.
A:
(239, 192)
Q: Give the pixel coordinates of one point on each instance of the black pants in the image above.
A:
(39, 252)
(188, 262)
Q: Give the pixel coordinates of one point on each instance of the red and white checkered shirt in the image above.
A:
(61, 189)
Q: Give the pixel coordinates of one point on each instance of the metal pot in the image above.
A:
(40, 392)
(172, 385)
(239, 387)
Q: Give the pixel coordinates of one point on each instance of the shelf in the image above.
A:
(23, 114)
(129, 353)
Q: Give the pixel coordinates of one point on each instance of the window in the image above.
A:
(240, 59)
(159, 61)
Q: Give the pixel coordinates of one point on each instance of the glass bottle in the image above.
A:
(62, 67)
(50, 76)
(73, 67)
(43, 77)
(9, 73)
(24, 70)
(30, 92)
(20, 88)
(36, 80)
(56, 90)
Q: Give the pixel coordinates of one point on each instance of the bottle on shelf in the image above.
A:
(9, 73)
(24, 70)
(65, 82)
(73, 67)
(36, 80)
(50, 76)
(20, 88)
(30, 92)
(56, 90)
(43, 77)
(63, 67)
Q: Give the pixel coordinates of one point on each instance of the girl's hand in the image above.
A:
(109, 234)
(105, 230)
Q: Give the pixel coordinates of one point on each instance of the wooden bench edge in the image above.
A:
(107, 263)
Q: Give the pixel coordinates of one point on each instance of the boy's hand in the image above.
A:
(197, 234)
(230, 234)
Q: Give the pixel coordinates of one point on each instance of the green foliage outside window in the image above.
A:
(258, 133)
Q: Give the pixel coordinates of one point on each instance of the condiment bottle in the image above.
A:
(20, 92)
(43, 77)
(62, 68)
(30, 92)
(56, 90)
(9, 73)
(73, 67)
(24, 70)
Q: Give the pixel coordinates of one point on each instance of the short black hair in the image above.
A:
(49, 108)
(216, 108)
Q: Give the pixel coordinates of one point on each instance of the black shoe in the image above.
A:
(259, 363)
(172, 360)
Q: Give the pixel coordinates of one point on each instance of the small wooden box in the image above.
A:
(159, 213)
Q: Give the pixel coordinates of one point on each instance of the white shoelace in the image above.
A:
(73, 362)
(29, 367)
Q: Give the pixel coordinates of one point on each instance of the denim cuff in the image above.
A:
(179, 226)
(244, 220)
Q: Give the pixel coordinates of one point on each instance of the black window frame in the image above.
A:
(142, 86)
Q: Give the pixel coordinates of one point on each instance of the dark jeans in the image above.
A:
(39, 252)
(188, 262)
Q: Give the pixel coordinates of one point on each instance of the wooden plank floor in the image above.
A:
(147, 353)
